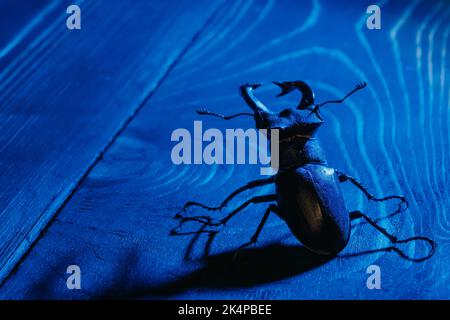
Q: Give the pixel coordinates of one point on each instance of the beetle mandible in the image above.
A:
(308, 195)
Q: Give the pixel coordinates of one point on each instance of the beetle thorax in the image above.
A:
(297, 142)
(299, 150)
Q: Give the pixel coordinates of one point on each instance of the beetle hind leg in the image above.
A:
(359, 214)
(248, 186)
(395, 240)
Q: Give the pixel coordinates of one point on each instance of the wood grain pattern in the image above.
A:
(393, 136)
(68, 93)
(19, 19)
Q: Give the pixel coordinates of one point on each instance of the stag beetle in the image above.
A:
(308, 194)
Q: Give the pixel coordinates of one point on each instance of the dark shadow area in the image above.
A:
(254, 266)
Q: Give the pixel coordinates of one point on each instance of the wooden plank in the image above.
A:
(18, 18)
(67, 96)
(116, 227)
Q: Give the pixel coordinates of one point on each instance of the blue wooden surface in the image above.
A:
(66, 95)
(394, 136)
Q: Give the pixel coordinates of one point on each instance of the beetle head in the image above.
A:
(307, 93)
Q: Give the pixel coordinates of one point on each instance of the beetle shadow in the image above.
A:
(255, 266)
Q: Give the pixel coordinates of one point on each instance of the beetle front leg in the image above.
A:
(344, 177)
(248, 186)
(206, 220)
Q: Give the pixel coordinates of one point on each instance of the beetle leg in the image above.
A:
(272, 208)
(359, 214)
(205, 220)
(344, 177)
(250, 185)
(394, 239)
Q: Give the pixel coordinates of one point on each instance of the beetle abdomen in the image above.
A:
(312, 205)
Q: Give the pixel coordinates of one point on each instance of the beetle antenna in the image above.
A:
(358, 86)
(203, 111)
